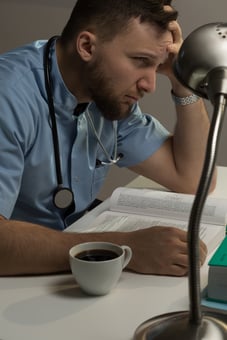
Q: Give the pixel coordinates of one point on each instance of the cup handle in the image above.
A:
(127, 255)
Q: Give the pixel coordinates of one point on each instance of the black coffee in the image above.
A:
(97, 255)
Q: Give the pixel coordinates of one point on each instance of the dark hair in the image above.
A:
(107, 18)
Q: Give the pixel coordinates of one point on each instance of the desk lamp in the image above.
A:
(201, 66)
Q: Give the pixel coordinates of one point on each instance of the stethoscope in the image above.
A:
(63, 197)
(110, 160)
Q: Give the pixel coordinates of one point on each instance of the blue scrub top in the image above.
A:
(27, 164)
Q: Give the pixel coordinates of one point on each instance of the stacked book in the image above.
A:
(217, 277)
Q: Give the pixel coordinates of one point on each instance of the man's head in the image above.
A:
(118, 45)
(107, 18)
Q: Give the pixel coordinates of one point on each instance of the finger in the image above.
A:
(180, 266)
(177, 270)
(203, 255)
(182, 257)
(182, 235)
(176, 31)
(203, 246)
(181, 260)
(168, 8)
(182, 248)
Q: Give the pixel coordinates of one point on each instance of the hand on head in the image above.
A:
(173, 47)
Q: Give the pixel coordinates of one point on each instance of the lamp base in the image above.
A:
(177, 326)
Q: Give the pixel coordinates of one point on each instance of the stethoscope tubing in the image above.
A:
(52, 110)
(111, 160)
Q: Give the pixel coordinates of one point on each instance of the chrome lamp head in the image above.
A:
(202, 61)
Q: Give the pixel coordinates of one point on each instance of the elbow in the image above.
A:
(190, 185)
(194, 185)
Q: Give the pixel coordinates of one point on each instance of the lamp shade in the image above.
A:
(201, 64)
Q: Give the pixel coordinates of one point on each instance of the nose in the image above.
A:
(147, 83)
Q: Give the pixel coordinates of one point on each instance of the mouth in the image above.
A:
(133, 99)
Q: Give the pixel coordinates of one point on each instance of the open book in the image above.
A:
(131, 209)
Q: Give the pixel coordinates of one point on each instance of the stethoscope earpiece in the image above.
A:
(63, 197)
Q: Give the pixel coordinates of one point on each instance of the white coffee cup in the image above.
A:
(97, 266)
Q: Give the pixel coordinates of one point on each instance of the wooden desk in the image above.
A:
(53, 307)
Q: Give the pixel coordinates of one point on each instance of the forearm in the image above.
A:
(188, 145)
(190, 139)
(32, 249)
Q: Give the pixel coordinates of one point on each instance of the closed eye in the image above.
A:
(143, 61)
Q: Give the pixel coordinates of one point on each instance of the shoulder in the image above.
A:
(21, 63)
(21, 83)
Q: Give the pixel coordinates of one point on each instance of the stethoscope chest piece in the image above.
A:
(63, 197)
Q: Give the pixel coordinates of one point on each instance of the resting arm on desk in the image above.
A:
(32, 249)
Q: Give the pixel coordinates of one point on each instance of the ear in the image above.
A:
(86, 44)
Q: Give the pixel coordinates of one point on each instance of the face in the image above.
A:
(123, 70)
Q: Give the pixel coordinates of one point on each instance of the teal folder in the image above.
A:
(220, 256)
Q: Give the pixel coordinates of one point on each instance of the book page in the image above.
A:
(161, 203)
(114, 221)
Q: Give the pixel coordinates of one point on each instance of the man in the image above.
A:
(107, 56)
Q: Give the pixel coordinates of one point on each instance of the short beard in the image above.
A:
(101, 88)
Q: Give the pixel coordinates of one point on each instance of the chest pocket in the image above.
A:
(98, 178)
